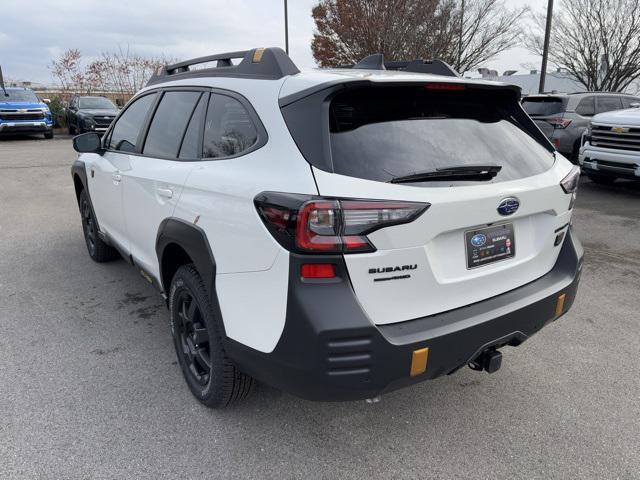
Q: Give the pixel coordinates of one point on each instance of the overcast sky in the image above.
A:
(33, 33)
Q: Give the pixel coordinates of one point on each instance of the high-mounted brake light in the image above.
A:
(330, 225)
(444, 86)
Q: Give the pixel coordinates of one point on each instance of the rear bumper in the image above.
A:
(618, 163)
(329, 350)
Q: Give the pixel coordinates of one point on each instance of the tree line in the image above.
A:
(595, 41)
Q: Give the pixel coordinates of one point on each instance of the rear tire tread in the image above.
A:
(232, 384)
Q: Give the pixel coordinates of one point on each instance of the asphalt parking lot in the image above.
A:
(89, 386)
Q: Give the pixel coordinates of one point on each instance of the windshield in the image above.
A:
(542, 106)
(19, 96)
(379, 134)
(97, 103)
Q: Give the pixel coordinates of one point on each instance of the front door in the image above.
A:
(153, 184)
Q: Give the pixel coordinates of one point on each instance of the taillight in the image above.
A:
(570, 185)
(330, 225)
(559, 122)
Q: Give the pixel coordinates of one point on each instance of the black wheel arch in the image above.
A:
(79, 175)
(179, 242)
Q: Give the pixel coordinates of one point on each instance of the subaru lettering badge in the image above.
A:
(478, 240)
(508, 206)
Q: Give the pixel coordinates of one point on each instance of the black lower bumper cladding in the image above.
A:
(330, 350)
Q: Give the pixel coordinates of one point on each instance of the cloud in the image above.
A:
(32, 36)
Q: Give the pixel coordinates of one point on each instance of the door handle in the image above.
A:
(116, 177)
(165, 192)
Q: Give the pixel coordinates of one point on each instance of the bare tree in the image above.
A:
(122, 72)
(348, 30)
(596, 41)
(488, 28)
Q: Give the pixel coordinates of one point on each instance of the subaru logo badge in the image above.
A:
(508, 206)
(478, 240)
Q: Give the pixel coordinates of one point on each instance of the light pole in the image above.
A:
(460, 37)
(545, 48)
(286, 28)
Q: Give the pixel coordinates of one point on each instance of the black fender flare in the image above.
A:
(193, 240)
(79, 170)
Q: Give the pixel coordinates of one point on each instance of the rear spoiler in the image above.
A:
(376, 62)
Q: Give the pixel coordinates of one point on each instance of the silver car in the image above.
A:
(564, 117)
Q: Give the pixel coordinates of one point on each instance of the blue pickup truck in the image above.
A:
(21, 111)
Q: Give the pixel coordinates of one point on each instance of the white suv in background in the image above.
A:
(611, 146)
(334, 233)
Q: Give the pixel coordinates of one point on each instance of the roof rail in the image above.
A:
(434, 67)
(264, 63)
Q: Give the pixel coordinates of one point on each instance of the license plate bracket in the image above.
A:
(490, 244)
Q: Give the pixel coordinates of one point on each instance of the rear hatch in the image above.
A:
(487, 174)
(546, 111)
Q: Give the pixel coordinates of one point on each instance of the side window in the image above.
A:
(169, 124)
(586, 107)
(607, 104)
(229, 129)
(627, 101)
(124, 135)
(191, 146)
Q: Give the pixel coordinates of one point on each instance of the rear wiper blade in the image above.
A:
(463, 172)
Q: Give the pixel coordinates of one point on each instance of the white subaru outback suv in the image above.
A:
(337, 233)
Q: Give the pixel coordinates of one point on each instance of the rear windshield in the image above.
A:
(539, 106)
(384, 133)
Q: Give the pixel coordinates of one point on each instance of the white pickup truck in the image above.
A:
(611, 146)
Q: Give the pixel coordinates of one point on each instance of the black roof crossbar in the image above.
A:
(434, 67)
(263, 63)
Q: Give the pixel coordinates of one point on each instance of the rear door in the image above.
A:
(154, 182)
(479, 237)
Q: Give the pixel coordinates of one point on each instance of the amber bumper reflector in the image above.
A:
(560, 305)
(419, 361)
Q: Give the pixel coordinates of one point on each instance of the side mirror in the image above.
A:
(87, 143)
(46, 100)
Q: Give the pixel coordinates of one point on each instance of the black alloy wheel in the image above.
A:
(197, 337)
(192, 339)
(88, 225)
(99, 251)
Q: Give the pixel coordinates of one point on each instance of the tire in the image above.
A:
(71, 128)
(601, 179)
(98, 250)
(48, 135)
(212, 378)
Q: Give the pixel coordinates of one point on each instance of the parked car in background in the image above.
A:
(612, 146)
(90, 114)
(565, 117)
(21, 111)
